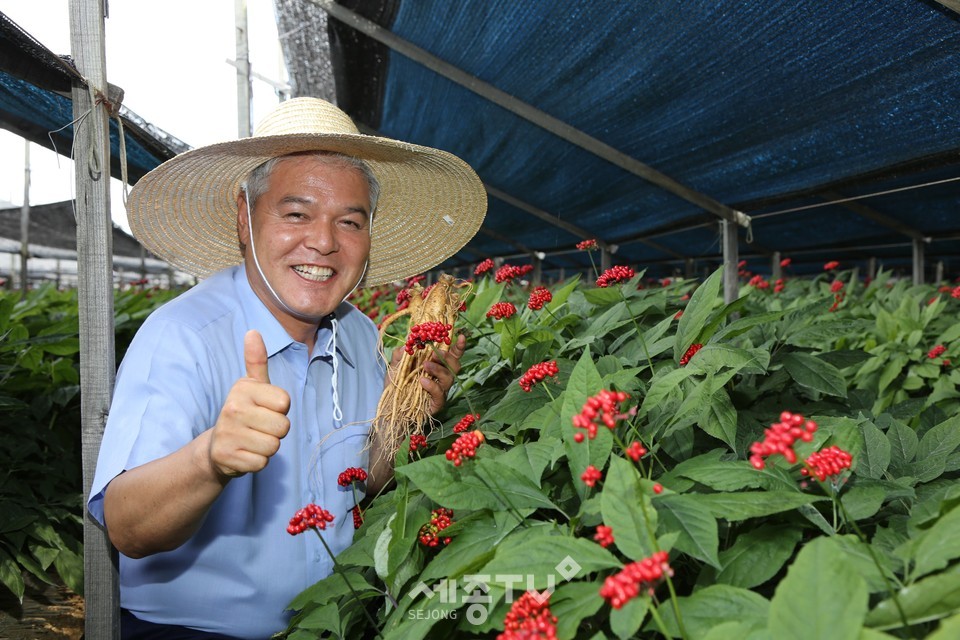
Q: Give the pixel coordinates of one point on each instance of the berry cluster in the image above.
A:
(539, 297)
(837, 299)
(508, 272)
(936, 352)
(692, 351)
(501, 310)
(785, 262)
(955, 293)
(412, 280)
(830, 266)
(778, 285)
(588, 245)
(604, 535)
(657, 488)
(537, 373)
(465, 422)
(464, 447)
(418, 441)
(429, 534)
(615, 275)
(836, 286)
(357, 517)
(529, 618)
(758, 282)
(591, 475)
(352, 474)
(602, 407)
(779, 438)
(483, 267)
(426, 332)
(678, 315)
(636, 451)
(309, 517)
(622, 587)
(827, 463)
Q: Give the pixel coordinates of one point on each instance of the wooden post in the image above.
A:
(872, 268)
(243, 70)
(917, 261)
(776, 270)
(25, 223)
(689, 268)
(939, 277)
(731, 256)
(95, 291)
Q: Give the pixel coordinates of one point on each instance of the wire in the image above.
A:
(756, 216)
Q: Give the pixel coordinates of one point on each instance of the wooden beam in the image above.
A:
(918, 261)
(532, 114)
(953, 5)
(95, 291)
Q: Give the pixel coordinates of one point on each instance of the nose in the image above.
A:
(322, 237)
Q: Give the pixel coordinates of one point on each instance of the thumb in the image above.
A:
(255, 356)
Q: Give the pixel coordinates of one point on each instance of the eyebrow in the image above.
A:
(309, 201)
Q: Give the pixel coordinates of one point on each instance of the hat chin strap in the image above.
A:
(273, 292)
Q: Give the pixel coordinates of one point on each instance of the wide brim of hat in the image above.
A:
(431, 202)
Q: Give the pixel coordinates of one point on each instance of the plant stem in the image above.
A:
(337, 567)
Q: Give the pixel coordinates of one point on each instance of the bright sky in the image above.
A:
(170, 58)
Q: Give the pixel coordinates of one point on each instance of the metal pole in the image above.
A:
(731, 256)
(244, 89)
(25, 222)
(775, 269)
(917, 261)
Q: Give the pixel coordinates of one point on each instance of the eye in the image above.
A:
(294, 215)
(353, 222)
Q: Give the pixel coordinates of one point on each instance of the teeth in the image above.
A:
(320, 274)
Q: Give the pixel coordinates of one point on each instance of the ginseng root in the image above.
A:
(404, 407)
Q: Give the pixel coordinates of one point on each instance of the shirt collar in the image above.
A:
(275, 337)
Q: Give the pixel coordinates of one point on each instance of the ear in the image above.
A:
(243, 229)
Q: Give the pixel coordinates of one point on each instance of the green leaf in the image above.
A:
(483, 483)
(625, 621)
(696, 313)
(10, 575)
(712, 606)
(571, 603)
(930, 599)
(585, 381)
(721, 475)
(757, 555)
(863, 501)
(814, 373)
(825, 333)
(720, 418)
(734, 507)
(473, 547)
(941, 440)
(546, 559)
(662, 386)
(949, 629)
(695, 524)
(626, 509)
(903, 444)
(821, 598)
(875, 457)
(477, 308)
(938, 545)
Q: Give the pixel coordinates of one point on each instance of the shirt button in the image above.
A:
(309, 437)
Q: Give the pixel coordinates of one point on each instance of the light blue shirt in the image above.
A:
(237, 574)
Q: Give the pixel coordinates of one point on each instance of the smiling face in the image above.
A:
(311, 233)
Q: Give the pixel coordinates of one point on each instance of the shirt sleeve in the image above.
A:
(165, 396)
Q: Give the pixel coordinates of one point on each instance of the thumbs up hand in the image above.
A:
(253, 419)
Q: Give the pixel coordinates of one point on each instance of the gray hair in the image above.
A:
(258, 181)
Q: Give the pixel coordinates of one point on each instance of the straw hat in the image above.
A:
(431, 202)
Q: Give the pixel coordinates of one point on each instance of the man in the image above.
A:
(243, 399)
